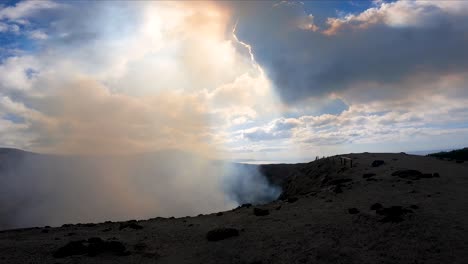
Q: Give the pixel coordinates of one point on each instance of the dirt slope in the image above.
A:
(328, 213)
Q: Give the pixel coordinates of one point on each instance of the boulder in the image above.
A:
(376, 206)
(70, 249)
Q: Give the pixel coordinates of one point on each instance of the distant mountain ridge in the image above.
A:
(458, 154)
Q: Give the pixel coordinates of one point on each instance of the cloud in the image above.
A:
(386, 45)
(24, 9)
(37, 35)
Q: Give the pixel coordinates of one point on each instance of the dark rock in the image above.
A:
(340, 181)
(353, 211)
(460, 161)
(377, 163)
(376, 206)
(292, 199)
(130, 224)
(426, 175)
(98, 246)
(219, 214)
(107, 229)
(70, 234)
(260, 212)
(278, 207)
(393, 214)
(70, 249)
(368, 175)
(221, 234)
(414, 206)
(44, 231)
(436, 175)
(408, 174)
(116, 247)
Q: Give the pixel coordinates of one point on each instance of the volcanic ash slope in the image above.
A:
(387, 208)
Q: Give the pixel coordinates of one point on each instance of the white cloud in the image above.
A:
(25, 9)
(37, 35)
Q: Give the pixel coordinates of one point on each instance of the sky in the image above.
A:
(266, 80)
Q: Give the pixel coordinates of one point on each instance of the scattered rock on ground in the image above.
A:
(93, 247)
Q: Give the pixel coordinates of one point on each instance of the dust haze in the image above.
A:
(117, 157)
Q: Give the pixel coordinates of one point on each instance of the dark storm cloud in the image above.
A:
(387, 45)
